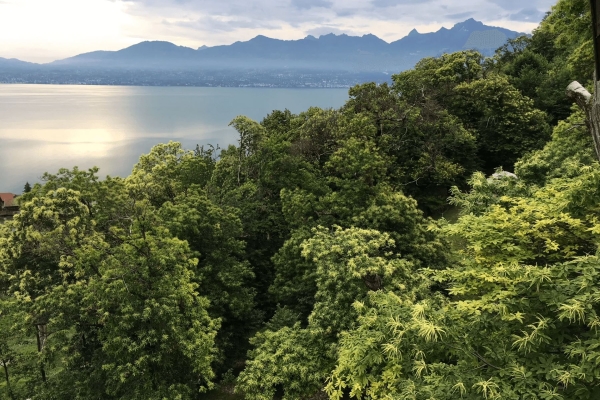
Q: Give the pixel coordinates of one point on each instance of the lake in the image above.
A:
(47, 127)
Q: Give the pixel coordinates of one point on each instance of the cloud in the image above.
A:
(278, 12)
(397, 3)
(296, 13)
(528, 15)
(459, 16)
(225, 21)
(213, 22)
(324, 30)
(512, 5)
(308, 4)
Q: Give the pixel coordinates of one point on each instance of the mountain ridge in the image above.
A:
(15, 62)
(331, 51)
(331, 55)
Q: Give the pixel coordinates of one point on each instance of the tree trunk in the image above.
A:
(41, 342)
(591, 106)
(10, 392)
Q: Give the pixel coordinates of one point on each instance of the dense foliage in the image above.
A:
(313, 259)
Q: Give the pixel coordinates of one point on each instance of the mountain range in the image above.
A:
(350, 54)
(14, 63)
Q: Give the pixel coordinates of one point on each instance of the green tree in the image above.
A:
(176, 181)
(502, 120)
(109, 292)
(350, 263)
(571, 146)
(507, 125)
(515, 319)
(559, 51)
(427, 150)
(222, 273)
(8, 356)
(168, 170)
(351, 191)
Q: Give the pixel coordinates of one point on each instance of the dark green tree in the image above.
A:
(504, 122)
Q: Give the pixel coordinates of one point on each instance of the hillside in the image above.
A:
(331, 52)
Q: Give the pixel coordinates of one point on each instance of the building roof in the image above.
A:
(8, 199)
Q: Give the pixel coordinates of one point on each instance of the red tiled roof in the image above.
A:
(8, 199)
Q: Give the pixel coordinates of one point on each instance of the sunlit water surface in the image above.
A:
(47, 127)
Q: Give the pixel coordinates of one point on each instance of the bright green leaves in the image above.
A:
(527, 225)
(295, 359)
(570, 22)
(486, 191)
(570, 148)
(251, 135)
(387, 354)
(349, 263)
(516, 315)
(169, 170)
(43, 240)
(433, 77)
(377, 208)
(157, 337)
(115, 300)
(527, 335)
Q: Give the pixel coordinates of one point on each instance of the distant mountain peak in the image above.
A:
(151, 46)
(260, 37)
(154, 43)
(15, 62)
(469, 34)
(469, 25)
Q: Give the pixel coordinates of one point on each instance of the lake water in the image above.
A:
(46, 127)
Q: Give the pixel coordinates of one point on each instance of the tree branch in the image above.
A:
(580, 95)
(591, 106)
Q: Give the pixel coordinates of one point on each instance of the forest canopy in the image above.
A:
(434, 238)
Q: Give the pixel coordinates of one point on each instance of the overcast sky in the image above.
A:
(45, 30)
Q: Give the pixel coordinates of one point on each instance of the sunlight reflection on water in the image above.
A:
(46, 127)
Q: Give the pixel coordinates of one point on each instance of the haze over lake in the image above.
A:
(47, 127)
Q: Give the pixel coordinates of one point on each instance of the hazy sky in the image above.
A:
(45, 30)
